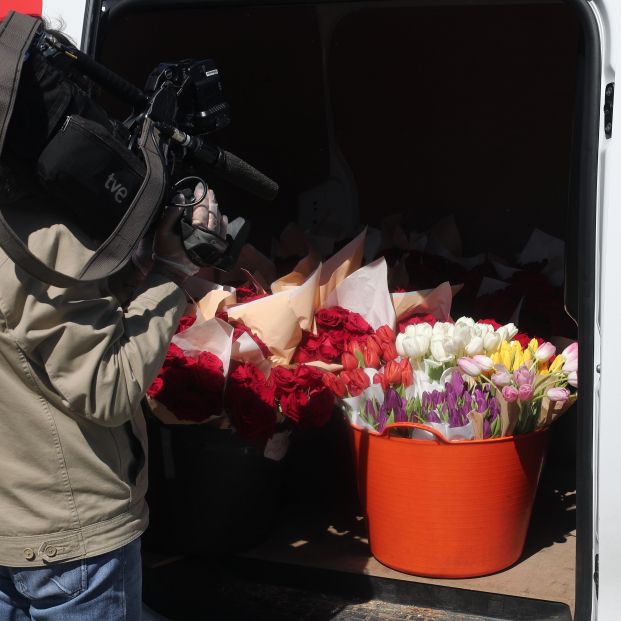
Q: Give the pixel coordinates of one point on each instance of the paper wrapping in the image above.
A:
(278, 319)
(214, 335)
(436, 302)
(366, 292)
(551, 410)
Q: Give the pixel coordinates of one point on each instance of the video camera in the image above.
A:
(125, 171)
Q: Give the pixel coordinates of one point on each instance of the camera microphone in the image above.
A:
(229, 166)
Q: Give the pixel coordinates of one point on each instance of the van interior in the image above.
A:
(456, 118)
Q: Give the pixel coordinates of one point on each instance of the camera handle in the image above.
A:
(204, 247)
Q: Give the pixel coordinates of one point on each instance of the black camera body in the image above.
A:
(199, 99)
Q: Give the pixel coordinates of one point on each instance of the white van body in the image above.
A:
(606, 465)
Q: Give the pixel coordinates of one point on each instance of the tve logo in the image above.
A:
(116, 188)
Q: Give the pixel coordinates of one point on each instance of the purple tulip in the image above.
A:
(557, 394)
(510, 394)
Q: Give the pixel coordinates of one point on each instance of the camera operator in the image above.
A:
(75, 364)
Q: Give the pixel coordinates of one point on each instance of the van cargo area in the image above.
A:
(456, 117)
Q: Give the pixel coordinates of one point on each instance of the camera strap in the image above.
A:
(17, 32)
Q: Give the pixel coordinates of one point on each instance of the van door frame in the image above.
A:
(582, 257)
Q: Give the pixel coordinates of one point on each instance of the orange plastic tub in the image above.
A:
(447, 509)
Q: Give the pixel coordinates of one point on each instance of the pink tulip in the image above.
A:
(525, 392)
(485, 362)
(572, 379)
(510, 393)
(523, 376)
(502, 377)
(571, 365)
(469, 367)
(545, 352)
(571, 351)
(557, 394)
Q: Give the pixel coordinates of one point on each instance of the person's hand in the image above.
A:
(167, 252)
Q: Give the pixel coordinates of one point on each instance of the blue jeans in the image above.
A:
(103, 588)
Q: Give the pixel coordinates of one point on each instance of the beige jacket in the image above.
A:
(74, 366)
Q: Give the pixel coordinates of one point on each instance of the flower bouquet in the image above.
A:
(442, 404)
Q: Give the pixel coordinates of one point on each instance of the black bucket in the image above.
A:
(209, 492)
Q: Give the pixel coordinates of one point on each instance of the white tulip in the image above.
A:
(512, 330)
(461, 335)
(424, 329)
(438, 350)
(410, 330)
(467, 321)
(485, 328)
(475, 347)
(491, 342)
(416, 346)
(399, 343)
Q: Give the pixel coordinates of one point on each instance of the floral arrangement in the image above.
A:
(332, 333)
(469, 380)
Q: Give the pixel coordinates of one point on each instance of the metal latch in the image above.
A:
(608, 104)
(596, 575)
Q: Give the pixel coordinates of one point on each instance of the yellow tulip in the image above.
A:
(533, 345)
(558, 363)
(506, 356)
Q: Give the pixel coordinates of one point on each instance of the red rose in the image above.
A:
(248, 294)
(174, 356)
(191, 388)
(284, 380)
(356, 324)
(330, 318)
(250, 403)
(491, 322)
(315, 347)
(156, 387)
(185, 322)
(416, 319)
(308, 410)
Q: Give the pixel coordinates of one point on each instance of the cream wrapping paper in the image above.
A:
(366, 292)
(214, 336)
(278, 319)
(436, 302)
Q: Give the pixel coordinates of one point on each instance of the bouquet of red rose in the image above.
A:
(189, 387)
(288, 398)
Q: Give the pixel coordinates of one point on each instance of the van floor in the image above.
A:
(321, 539)
(316, 564)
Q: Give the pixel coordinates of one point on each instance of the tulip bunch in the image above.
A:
(467, 379)
(531, 383)
(446, 342)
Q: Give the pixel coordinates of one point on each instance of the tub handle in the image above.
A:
(437, 435)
